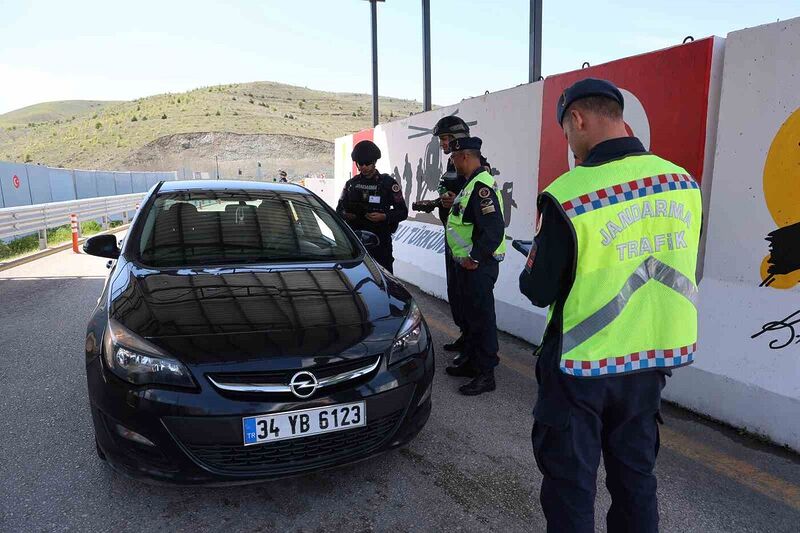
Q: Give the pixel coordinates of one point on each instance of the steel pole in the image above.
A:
(374, 9)
(426, 55)
(535, 42)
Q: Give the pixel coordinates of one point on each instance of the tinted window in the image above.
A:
(202, 228)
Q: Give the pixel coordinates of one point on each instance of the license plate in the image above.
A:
(296, 424)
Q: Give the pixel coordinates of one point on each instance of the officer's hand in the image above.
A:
(376, 217)
(348, 216)
(447, 199)
(469, 264)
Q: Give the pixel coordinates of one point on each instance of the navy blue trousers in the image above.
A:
(476, 296)
(575, 420)
(453, 295)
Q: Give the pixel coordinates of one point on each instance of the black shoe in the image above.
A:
(462, 371)
(482, 383)
(455, 346)
(460, 359)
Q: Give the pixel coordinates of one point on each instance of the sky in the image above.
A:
(101, 50)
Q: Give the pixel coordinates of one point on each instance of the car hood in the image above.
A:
(239, 315)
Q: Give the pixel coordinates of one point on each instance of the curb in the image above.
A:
(55, 249)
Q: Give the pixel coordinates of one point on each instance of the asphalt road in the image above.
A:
(471, 468)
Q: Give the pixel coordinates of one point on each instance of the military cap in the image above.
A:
(584, 89)
(366, 152)
(466, 143)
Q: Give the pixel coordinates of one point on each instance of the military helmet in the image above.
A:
(366, 152)
(451, 125)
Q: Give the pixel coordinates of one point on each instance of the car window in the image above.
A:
(194, 228)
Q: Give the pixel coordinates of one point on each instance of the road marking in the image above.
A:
(734, 469)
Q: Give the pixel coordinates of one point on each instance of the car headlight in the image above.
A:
(412, 337)
(140, 362)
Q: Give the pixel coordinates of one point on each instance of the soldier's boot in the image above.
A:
(483, 382)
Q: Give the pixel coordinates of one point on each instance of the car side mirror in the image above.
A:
(368, 239)
(102, 246)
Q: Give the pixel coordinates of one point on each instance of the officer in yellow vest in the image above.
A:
(476, 238)
(614, 258)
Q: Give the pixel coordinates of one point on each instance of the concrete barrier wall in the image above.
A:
(34, 184)
(726, 110)
(508, 122)
(325, 189)
(748, 364)
(527, 150)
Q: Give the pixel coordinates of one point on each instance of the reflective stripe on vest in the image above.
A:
(632, 304)
(459, 232)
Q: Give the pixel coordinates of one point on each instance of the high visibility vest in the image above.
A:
(459, 232)
(632, 305)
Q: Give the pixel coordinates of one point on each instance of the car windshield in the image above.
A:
(216, 227)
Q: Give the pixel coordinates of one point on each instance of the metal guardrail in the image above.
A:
(15, 221)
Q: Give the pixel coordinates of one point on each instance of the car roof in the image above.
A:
(229, 185)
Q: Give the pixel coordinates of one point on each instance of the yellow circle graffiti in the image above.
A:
(782, 189)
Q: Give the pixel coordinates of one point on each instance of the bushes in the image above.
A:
(61, 234)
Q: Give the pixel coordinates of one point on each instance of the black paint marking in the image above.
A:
(784, 249)
(779, 325)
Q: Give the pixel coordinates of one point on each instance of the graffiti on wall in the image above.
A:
(429, 170)
(781, 268)
(782, 330)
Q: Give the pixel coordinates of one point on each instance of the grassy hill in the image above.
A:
(104, 134)
(50, 112)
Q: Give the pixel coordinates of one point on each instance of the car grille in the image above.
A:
(295, 455)
(284, 376)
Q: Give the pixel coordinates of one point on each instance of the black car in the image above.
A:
(245, 333)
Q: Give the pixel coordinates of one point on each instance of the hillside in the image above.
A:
(123, 135)
(50, 112)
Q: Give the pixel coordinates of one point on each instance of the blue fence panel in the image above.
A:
(105, 184)
(14, 185)
(85, 184)
(62, 186)
(139, 181)
(35, 184)
(39, 180)
(124, 182)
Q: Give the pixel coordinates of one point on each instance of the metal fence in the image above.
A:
(17, 221)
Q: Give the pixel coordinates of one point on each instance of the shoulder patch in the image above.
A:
(484, 192)
(395, 188)
(486, 202)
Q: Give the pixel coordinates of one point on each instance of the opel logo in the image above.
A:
(303, 384)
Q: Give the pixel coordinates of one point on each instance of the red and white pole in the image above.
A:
(73, 221)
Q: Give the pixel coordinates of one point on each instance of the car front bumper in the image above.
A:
(197, 436)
